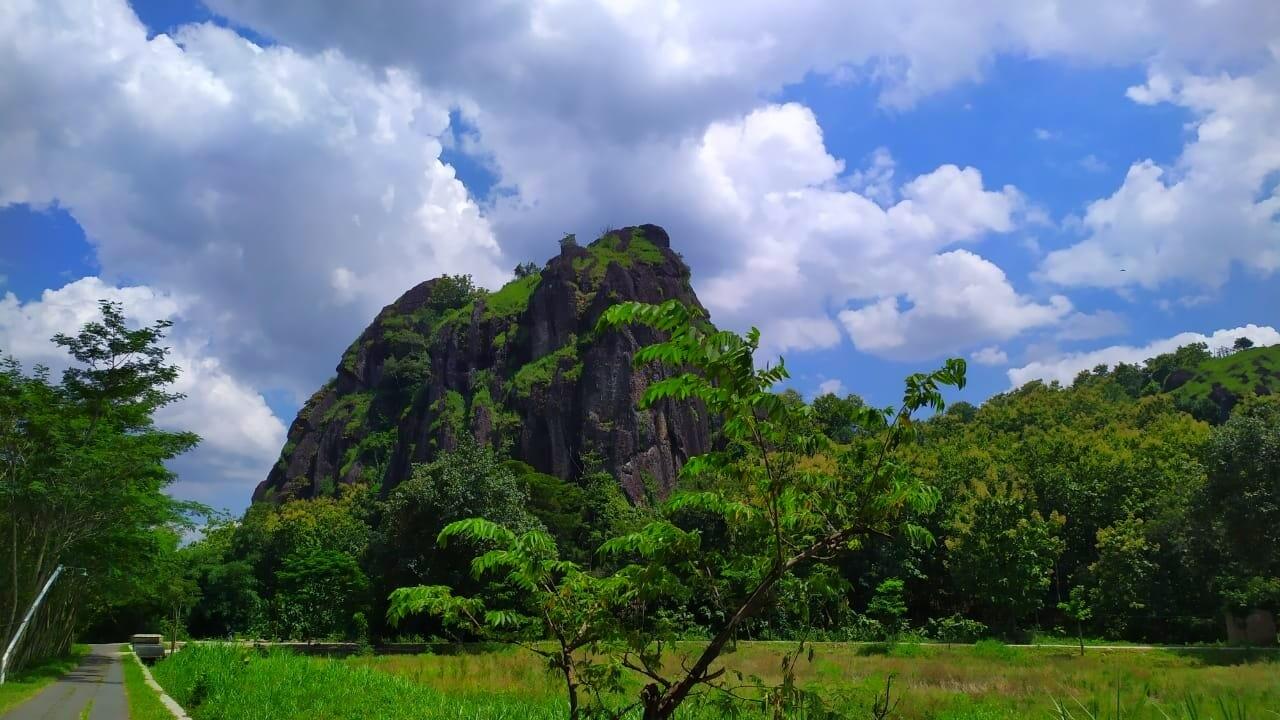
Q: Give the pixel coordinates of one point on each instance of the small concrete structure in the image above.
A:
(148, 647)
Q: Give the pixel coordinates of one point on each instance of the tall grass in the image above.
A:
(217, 682)
(986, 682)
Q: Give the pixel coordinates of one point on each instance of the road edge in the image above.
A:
(169, 703)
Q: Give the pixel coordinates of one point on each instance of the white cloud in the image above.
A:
(990, 355)
(957, 300)
(832, 386)
(240, 175)
(241, 436)
(794, 240)
(645, 59)
(1216, 208)
(1045, 135)
(1064, 368)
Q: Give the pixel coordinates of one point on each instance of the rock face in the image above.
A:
(519, 368)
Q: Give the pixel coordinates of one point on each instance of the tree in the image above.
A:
(469, 481)
(836, 416)
(1242, 343)
(790, 498)
(525, 269)
(1241, 504)
(888, 607)
(82, 472)
(1078, 608)
(320, 593)
(1120, 580)
(1001, 553)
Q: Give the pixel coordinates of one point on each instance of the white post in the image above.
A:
(22, 627)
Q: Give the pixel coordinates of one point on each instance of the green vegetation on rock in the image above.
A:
(610, 249)
(511, 299)
(541, 372)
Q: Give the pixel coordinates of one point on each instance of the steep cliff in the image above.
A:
(519, 367)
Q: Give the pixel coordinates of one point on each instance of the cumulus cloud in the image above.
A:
(241, 436)
(1064, 368)
(290, 195)
(715, 56)
(957, 299)
(793, 240)
(1214, 209)
(832, 386)
(990, 355)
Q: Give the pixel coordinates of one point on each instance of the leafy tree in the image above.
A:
(229, 598)
(1001, 553)
(836, 416)
(1242, 343)
(1078, 608)
(525, 269)
(1241, 502)
(320, 593)
(82, 473)
(789, 498)
(301, 539)
(1122, 576)
(887, 606)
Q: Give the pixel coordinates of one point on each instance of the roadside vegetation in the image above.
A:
(144, 701)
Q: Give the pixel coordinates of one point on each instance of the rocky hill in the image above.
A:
(519, 367)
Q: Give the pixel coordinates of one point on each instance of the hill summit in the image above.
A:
(519, 368)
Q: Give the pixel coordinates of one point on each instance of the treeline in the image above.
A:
(1102, 508)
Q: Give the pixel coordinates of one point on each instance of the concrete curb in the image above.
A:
(170, 704)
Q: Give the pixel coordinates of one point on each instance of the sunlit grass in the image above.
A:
(988, 680)
(144, 702)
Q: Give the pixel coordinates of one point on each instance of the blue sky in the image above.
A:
(1035, 191)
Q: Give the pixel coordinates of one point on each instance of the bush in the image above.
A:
(955, 629)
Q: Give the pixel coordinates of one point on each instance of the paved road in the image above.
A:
(98, 680)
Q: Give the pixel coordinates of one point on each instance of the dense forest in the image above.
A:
(1134, 503)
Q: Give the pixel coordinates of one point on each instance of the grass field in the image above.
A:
(144, 702)
(27, 683)
(988, 681)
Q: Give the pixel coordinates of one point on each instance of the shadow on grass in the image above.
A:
(1225, 657)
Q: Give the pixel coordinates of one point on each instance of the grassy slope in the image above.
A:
(989, 680)
(144, 702)
(27, 683)
(1240, 373)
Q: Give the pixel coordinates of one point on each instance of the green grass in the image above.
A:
(213, 682)
(144, 702)
(1241, 373)
(24, 685)
(511, 299)
(933, 682)
(609, 250)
